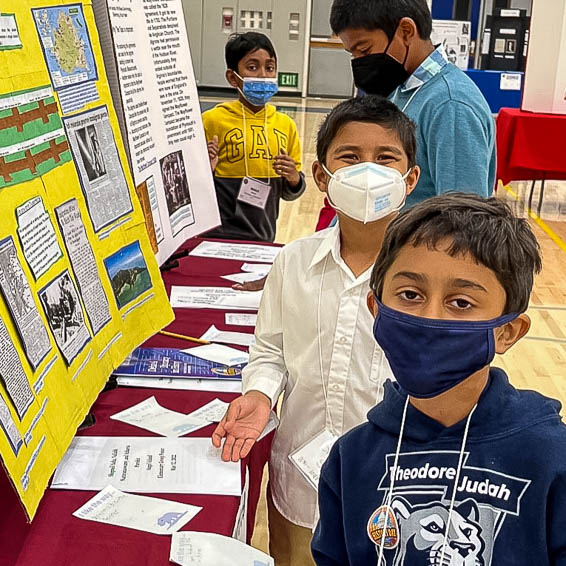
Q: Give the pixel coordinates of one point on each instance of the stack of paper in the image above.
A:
(190, 548)
(216, 386)
(220, 354)
(223, 298)
(243, 252)
(226, 337)
(149, 514)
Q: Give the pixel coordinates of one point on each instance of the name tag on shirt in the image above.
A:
(254, 192)
(311, 456)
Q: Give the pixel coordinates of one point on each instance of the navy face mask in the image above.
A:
(429, 356)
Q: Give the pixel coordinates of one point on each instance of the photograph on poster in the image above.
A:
(128, 274)
(19, 298)
(91, 154)
(176, 187)
(64, 313)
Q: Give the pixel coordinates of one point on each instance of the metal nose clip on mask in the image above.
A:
(367, 191)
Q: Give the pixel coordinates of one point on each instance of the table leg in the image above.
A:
(532, 195)
(541, 197)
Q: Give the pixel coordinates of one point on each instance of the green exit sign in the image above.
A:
(289, 79)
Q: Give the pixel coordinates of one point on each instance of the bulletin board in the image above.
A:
(80, 287)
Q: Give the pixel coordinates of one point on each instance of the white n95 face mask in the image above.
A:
(367, 191)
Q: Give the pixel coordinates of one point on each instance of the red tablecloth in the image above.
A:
(530, 146)
(56, 538)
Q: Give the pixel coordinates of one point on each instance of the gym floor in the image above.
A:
(538, 361)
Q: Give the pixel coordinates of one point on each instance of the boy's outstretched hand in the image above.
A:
(213, 152)
(285, 166)
(242, 425)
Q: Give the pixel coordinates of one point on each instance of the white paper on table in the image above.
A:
(222, 298)
(272, 424)
(189, 548)
(310, 457)
(240, 319)
(150, 415)
(228, 337)
(262, 268)
(242, 252)
(147, 465)
(240, 531)
(243, 277)
(220, 354)
(180, 384)
(212, 412)
(139, 512)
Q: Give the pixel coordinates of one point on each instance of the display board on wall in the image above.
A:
(147, 53)
(80, 287)
(455, 37)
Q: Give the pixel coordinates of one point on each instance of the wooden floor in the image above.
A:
(537, 362)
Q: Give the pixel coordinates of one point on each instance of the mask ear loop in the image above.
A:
(392, 483)
(456, 482)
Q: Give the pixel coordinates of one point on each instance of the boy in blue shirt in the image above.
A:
(393, 56)
(455, 467)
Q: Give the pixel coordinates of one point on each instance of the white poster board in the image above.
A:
(148, 60)
(456, 37)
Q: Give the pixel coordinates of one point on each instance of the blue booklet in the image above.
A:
(169, 362)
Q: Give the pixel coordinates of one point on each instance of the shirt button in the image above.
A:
(343, 340)
(336, 387)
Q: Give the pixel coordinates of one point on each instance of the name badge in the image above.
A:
(254, 192)
(310, 457)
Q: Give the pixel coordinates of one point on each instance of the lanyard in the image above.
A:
(266, 133)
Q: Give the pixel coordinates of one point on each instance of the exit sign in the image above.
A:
(289, 79)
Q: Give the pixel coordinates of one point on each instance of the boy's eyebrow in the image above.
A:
(467, 284)
(418, 277)
(346, 147)
(390, 148)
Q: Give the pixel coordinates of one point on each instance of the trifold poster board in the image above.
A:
(147, 56)
(79, 284)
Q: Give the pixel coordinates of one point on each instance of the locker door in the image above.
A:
(219, 20)
(193, 22)
(289, 34)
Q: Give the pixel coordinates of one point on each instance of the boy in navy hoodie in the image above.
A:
(455, 467)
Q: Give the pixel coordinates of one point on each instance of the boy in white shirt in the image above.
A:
(314, 333)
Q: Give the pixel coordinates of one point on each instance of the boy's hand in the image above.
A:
(213, 152)
(285, 166)
(256, 285)
(242, 425)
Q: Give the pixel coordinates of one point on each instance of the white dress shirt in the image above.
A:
(286, 358)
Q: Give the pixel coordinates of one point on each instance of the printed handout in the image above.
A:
(242, 252)
(240, 319)
(149, 514)
(189, 548)
(147, 465)
(226, 337)
(220, 354)
(222, 298)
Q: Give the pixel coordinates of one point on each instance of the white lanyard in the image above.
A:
(334, 430)
(266, 133)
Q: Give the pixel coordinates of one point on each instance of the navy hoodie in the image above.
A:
(510, 507)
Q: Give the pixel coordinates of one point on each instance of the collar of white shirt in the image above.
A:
(330, 244)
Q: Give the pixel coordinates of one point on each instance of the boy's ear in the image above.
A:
(509, 334)
(320, 176)
(372, 304)
(408, 30)
(232, 79)
(413, 179)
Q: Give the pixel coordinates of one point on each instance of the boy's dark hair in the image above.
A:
(372, 109)
(240, 44)
(380, 14)
(486, 229)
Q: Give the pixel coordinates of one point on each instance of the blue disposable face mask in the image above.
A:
(257, 91)
(428, 356)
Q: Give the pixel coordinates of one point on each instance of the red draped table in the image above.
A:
(56, 538)
(530, 146)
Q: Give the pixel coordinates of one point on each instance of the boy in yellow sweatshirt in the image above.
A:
(255, 152)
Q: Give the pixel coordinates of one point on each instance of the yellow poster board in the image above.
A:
(79, 284)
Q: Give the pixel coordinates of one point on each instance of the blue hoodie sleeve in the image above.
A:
(328, 543)
(556, 522)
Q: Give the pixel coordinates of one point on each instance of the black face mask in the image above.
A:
(379, 73)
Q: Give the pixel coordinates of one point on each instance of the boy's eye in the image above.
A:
(385, 157)
(348, 157)
(409, 295)
(461, 304)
